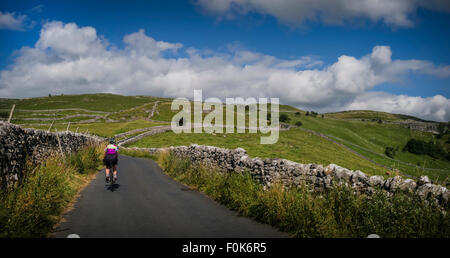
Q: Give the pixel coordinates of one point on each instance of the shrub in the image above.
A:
(297, 113)
(86, 159)
(425, 148)
(284, 118)
(391, 152)
(442, 129)
(298, 123)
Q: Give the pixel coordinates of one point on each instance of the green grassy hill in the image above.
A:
(295, 145)
(358, 131)
(96, 102)
(98, 108)
(370, 115)
(354, 139)
(371, 138)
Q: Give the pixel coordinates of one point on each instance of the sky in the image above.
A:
(321, 55)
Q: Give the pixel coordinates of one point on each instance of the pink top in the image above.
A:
(111, 149)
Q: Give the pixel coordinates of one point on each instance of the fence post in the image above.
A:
(59, 143)
(50, 128)
(11, 113)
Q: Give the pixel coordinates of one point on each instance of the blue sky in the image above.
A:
(223, 31)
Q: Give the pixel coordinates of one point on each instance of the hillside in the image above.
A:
(355, 139)
(371, 115)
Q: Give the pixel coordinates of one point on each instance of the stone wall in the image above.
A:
(153, 130)
(289, 173)
(17, 143)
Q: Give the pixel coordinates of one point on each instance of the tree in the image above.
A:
(284, 118)
(390, 152)
(313, 114)
(425, 148)
(442, 129)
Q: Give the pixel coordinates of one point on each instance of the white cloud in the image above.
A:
(70, 59)
(140, 44)
(68, 41)
(396, 13)
(434, 108)
(11, 21)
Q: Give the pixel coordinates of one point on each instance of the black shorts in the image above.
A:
(110, 160)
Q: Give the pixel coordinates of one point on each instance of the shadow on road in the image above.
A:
(113, 187)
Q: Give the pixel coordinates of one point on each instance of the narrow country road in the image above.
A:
(148, 203)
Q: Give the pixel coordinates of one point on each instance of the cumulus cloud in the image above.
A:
(435, 108)
(11, 21)
(70, 59)
(68, 41)
(396, 13)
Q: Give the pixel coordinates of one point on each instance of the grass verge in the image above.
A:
(137, 153)
(33, 208)
(301, 213)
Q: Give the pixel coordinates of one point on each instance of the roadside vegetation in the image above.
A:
(136, 153)
(301, 213)
(35, 206)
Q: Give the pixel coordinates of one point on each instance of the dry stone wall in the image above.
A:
(16, 144)
(153, 130)
(289, 173)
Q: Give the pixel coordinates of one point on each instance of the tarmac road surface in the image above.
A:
(147, 203)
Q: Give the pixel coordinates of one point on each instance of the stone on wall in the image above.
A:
(289, 173)
(16, 144)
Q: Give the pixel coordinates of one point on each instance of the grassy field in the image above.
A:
(97, 102)
(368, 138)
(139, 112)
(129, 110)
(103, 129)
(371, 139)
(369, 115)
(294, 145)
